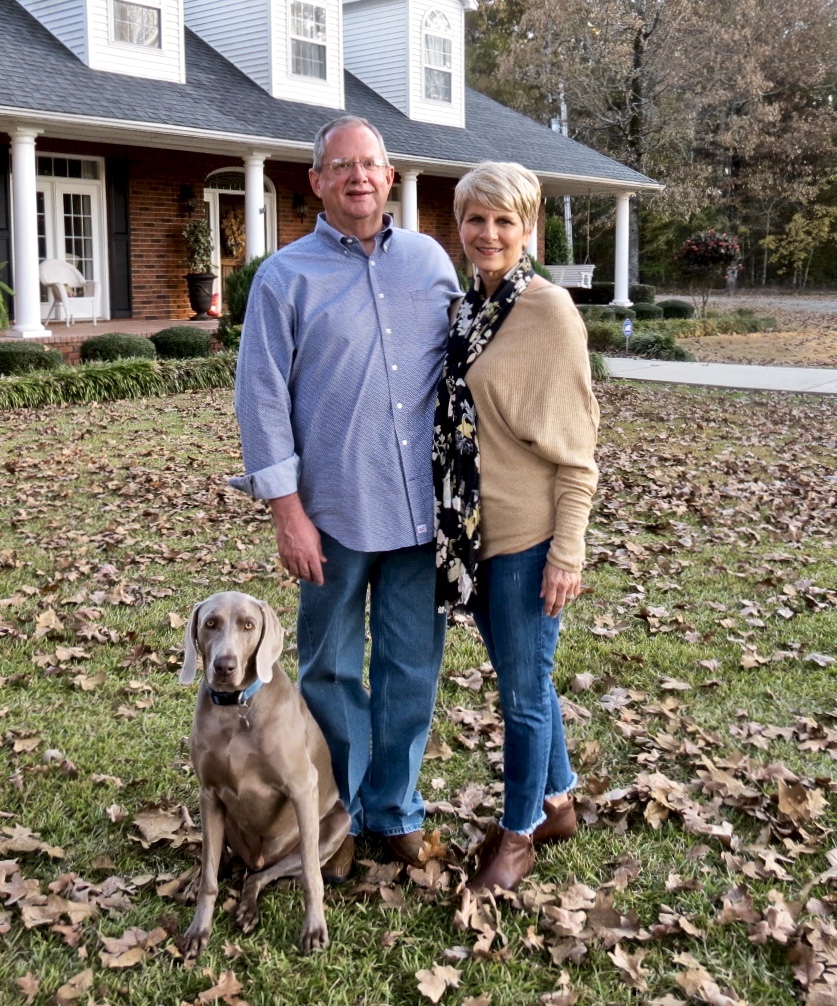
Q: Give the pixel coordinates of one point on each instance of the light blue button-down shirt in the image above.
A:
(336, 382)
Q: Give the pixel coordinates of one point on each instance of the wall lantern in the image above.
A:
(299, 205)
(187, 197)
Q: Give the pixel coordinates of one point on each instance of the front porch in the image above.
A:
(67, 339)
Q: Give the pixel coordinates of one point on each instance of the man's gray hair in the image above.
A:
(344, 120)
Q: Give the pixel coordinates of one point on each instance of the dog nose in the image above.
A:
(225, 664)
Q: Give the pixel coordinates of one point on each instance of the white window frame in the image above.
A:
(437, 26)
(151, 5)
(294, 37)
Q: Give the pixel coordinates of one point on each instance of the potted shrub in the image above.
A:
(198, 260)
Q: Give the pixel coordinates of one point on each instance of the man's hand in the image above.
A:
(557, 587)
(298, 541)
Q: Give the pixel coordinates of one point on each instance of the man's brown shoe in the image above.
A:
(505, 859)
(560, 822)
(406, 847)
(338, 869)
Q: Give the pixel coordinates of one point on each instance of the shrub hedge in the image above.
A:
(604, 336)
(655, 344)
(116, 346)
(111, 380)
(181, 342)
(647, 312)
(677, 308)
(642, 293)
(23, 357)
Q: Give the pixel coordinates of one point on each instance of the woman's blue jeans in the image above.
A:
(376, 735)
(521, 644)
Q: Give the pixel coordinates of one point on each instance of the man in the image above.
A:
(340, 355)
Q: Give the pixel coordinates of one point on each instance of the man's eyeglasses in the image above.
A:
(343, 166)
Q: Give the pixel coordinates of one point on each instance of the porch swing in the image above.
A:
(576, 275)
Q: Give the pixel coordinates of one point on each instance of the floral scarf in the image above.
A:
(456, 461)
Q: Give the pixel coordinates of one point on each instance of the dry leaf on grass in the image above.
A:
(433, 983)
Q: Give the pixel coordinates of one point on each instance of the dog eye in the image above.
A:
(249, 624)
(210, 623)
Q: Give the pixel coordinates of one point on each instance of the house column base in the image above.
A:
(16, 332)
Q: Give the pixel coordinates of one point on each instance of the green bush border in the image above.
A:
(105, 382)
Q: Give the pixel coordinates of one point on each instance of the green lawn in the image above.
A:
(698, 668)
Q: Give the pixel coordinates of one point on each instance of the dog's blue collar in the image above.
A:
(234, 698)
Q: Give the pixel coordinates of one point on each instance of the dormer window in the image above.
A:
(137, 23)
(437, 49)
(308, 40)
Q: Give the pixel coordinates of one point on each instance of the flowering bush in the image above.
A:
(709, 251)
(707, 258)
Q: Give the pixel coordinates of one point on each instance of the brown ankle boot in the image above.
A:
(560, 823)
(506, 858)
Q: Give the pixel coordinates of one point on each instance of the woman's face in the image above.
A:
(493, 240)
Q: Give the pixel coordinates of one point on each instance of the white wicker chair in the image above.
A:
(62, 280)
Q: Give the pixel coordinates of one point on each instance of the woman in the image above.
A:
(516, 427)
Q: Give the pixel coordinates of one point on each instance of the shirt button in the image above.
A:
(399, 406)
(388, 331)
(404, 442)
(371, 262)
(395, 366)
(380, 295)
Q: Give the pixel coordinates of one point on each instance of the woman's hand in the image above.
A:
(557, 587)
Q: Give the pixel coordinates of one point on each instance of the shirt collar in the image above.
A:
(382, 238)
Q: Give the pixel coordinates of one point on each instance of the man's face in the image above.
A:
(354, 200)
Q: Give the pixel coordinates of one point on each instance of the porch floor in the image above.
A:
(135, 326)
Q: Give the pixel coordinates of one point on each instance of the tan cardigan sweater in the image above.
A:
(537, 422)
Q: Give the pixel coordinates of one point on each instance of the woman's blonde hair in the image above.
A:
(500, 185)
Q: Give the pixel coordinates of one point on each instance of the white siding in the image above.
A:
(442, 113)
(239, 31)
(65, 19)
(165, 63)
(311, 91)
(375, 47)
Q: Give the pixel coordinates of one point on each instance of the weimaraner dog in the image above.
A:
(266, 785)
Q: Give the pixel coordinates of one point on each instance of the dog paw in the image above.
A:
(314, 936)
(247, 916)
(193, 942)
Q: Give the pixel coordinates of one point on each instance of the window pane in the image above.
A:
(136, 24)
(308, 59)
(308, 21)
(437, 84)
(78, 232)
(437, 51)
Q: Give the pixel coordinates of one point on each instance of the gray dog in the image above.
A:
(266, 785)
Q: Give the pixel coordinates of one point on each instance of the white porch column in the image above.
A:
(254, 223)
(27, 286)
(532, 247)
(622, 243)
(409, 200)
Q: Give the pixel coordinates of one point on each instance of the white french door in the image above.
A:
(71, 226)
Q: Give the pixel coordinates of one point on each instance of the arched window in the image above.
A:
(437, 50)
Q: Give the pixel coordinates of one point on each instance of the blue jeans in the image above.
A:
(376, 735)
(521, 643)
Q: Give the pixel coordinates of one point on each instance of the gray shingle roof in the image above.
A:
(38, 73)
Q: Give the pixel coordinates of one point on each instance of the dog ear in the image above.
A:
(190, 649)
(270, 645)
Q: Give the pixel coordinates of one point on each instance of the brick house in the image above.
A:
(122, 120)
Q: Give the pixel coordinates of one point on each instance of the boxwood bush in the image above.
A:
(116, 346)
(24, 357)
(604, 336)
(182, 342)
(647, 312)
(677, 308)
(593, 312)
(621, 313)
(642, 293)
